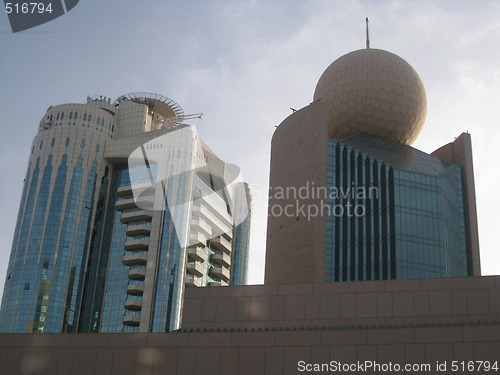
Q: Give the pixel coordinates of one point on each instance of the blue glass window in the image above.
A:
(411, 227)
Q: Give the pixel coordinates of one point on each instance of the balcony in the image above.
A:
(124, 191)
(220, 273)
(145, 202)
(190, 280)
(132, 321)
(197, 238)
(141, 244)
(195, 268)
(125, 204)
(137, 274)
(216, 219)
(135, 289)
(133, 305)
(196, 253)
(218, 283)
(221, 244)
(135, 259)
(197, 194)
(222, 258)
(202, 226)
(138, 230)
(141, 215)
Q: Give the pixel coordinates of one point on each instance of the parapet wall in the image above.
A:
(393, 303)
(290, 329)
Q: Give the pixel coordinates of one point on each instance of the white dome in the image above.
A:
(373, 92)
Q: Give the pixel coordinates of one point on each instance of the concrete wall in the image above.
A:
(268, 329)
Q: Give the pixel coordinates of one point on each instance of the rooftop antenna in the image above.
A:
(367, 35)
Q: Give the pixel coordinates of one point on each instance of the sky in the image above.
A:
(243, 64)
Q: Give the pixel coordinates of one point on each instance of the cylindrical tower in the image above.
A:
(47, 261)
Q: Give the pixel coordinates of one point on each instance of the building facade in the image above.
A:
(358, 202)
(123, 207)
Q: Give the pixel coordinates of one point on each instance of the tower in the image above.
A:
(350, 199)
(123, 207)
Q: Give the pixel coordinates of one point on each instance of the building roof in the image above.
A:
(397, 155)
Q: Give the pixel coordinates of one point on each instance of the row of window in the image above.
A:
(67, 143)
(88, 118)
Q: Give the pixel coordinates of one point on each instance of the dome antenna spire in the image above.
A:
(367, 35)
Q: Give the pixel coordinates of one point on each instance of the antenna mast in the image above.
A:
(367, 35)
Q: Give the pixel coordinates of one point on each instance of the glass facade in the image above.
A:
(166, 315)
(48, 251)
(117, 279)
(394, 213)
(240, 259)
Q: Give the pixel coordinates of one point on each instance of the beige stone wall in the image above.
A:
(291, 323)
(460, 152)
(373, 303)
(295, 251)
(240, 353)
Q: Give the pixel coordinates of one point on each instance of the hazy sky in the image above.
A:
(243, 64)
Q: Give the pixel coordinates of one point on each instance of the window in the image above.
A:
(97, 148)
(53, 142)
(26, 286)
(67, 142)
(82, 143)
(84, 117)
(71, 115)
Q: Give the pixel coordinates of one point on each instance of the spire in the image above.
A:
(367, 35)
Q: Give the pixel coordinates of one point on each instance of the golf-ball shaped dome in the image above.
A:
(373, 92)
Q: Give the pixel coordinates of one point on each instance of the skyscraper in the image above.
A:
(123, 206)
(351, 200)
